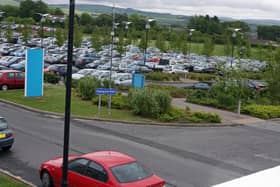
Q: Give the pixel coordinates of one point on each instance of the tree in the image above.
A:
(96, 41)
(227, 45)
(78, 36)
(9, 34)
(60, 39)
(273, 79)
(26, 33)
(86, 19)
(160, 42)
(142, 43)
(208, 46)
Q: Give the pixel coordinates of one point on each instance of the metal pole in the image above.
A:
(190, 48)
(111, 62)
(68, 95)
(232, 52)
(42, 37)
(146, 45)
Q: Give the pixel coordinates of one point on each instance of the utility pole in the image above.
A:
(68, 95)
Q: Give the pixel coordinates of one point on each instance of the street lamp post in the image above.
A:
(190, 34)
(43, 19)
(68, 95)
(147, 27)
(1, 17)
(232, 48)
(126, 32)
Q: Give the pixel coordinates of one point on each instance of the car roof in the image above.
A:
(109, 158)
(9, 71)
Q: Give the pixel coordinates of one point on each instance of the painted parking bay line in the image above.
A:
(265, 178)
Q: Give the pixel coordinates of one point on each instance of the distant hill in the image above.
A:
(9, 2)
(162, 18)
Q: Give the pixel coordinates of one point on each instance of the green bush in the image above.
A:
(262, 111)
(106, 83)
(87, 87)
(172, 115)
(118, 101)
(149, 103)
(51, 78)
(207, 117)
(159, 76)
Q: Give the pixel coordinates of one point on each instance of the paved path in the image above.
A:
(227, 117)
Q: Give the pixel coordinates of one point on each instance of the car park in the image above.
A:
(82, 73)
(102, 169)
(6, 135)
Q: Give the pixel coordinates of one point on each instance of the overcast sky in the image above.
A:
(240, 9)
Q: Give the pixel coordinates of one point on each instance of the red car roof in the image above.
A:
(109, 158)
(3, 71)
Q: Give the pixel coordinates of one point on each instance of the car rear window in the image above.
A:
(130, 172)
(3, 124)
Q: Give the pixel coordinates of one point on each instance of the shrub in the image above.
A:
(173, 114)
(262, 111)
(105, 83)
(207, 117)
(51, 78)
(143, 103)
(87, 86)
(149, 103)
(159, 76)
(118, 101)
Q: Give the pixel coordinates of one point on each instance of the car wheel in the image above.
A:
(6, 148)
(4, 87)
(46, 180)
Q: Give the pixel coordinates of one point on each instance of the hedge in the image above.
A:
(118, 101)
(159, 76)
(51, 78)
(262, 111)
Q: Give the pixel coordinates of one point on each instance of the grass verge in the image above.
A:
(6, 181)
(54, 101)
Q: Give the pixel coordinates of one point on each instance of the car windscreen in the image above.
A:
(3, 124)
(130, 172)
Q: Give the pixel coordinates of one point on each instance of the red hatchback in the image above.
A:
(11, 79)
(100, 169)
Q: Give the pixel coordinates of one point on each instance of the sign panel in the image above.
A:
(138, 81)
(105, 91)
(34, 74)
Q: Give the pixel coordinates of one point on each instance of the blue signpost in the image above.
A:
(138, 81)
(104, 91)
(34, 74)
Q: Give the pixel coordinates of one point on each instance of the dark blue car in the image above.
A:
(6, 135)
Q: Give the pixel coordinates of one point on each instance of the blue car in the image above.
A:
(6, 135)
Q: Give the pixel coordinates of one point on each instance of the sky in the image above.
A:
(239, 9)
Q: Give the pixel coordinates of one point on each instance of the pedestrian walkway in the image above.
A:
(226, 116)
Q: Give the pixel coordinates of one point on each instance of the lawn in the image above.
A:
(6, 181)
(54, 99)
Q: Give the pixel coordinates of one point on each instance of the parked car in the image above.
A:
(173, 69)
(11, 79)
(202, 85)
(102, 169)
(123, 79)
(256, 85)
(6, 135)
(82, 73)
(59, 69)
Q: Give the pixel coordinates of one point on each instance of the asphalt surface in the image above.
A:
(186, 157)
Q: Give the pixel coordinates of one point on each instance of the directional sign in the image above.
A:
(105, 91)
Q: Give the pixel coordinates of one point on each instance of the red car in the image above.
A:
(99, 169)
(11, 79)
